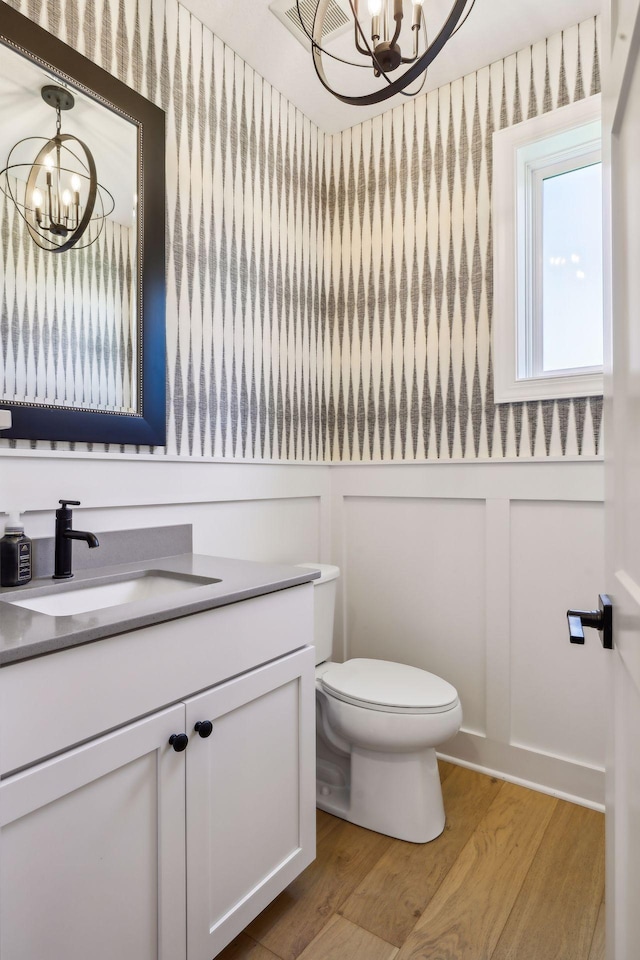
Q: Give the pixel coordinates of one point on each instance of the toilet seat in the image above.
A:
(388, 687)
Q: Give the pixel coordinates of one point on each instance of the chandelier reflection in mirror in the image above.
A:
(63, 204)
(385, 38)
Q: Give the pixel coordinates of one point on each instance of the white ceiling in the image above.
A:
(495, 29)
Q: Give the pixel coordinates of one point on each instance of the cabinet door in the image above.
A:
(93, 850)
(250, 797)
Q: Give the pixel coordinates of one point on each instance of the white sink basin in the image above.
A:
(83, 598)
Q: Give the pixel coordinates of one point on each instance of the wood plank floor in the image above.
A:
(516, 875)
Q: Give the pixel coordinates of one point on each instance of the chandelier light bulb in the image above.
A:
(75, 183)
(397, 53)
(49, 162)
(37, 199)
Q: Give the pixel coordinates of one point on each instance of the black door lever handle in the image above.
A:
(576, 633)
(600, 619)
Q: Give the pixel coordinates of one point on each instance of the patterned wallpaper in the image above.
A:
(247, 360)
(66, 321)
(411, 288)
(330, 297)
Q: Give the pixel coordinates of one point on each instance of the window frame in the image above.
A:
(523, 156)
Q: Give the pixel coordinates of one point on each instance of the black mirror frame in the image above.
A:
(34, 422)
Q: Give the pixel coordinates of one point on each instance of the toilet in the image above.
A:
(377, 726)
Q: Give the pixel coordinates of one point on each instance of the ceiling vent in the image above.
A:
(336, 20)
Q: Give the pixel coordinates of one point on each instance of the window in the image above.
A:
(547, 218)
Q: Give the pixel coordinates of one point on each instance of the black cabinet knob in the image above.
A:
(179, 741)
(204, 728)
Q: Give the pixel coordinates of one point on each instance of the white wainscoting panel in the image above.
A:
(415, 585)
(255, 511)
(463, 568)
(468, 570)
(557, 689)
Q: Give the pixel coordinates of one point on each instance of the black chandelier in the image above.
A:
(377, 38)
(63, 198)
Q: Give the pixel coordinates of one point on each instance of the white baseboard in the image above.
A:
(555, 776)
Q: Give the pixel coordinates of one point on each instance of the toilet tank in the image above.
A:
(324, 602)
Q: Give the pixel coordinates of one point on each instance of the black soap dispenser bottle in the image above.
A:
(15, 556)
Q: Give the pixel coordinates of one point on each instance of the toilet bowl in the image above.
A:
(377, 725)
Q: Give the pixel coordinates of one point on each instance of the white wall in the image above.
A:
(468, 570)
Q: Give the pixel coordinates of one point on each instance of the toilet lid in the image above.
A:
(394, 687)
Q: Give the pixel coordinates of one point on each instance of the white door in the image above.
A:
(93, 850)
(621, 154)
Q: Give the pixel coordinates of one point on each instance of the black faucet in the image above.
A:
(64, 536)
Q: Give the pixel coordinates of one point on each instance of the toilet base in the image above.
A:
(398, 795)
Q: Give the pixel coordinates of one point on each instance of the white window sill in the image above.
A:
(548, 388)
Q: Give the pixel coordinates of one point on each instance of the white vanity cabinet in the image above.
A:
(122, 846)
(250, 797)
(93, 850)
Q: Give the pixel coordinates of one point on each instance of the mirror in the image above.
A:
(82, 220)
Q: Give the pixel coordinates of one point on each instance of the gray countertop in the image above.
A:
(26, 633)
